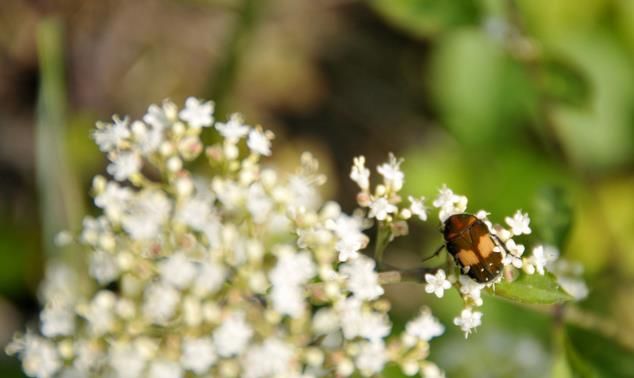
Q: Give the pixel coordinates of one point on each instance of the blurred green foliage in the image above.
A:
(525, 104)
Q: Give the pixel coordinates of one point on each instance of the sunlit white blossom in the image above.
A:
(109, 136)
(123, 165)
(234, 128)
(371, 359)
(58, 319)
(471, 289)
(177, 270)
(165, 369)
(424, 327)
(232, 336)
(259, 142)
(271, 358)
(468, 320)
(198, 355)
(359, 173)
(39, 355)
(160, 302)
(418, 208)
(392, 174)
(519, 223)
(449, 203)
(514, 256)
(381, 208)
(198, 114)
(126, 361)
(362, 280)
(113, 200)
(147, 212)
(437, 283)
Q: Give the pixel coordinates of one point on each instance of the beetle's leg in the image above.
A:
(436, 253)
(499, 243)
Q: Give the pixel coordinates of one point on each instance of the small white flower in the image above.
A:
(57, 320)
(113, 200)
(573, 286)
(233, 129)
(270, 359)
(468, 320)
(197, 114)
(538, 259)
(393, 177)
(449, 203)
(110, 136)
(359, 173)
(362, 280)
(514, 256)
(123, 165)
(471, 289)
(103, 267)
(160, 303)
(437, 283)
(165, 369)
(288, 299)
(195, 213)
(100, 313)
(431, 370)
(146, 213)
(232, 336)
(147, 139)
(424, 327)
(161, 117)
(418, 208)
(374, 325)
(371, 358)
(177, 270)
(259, 203)
(381, 208)
(519, 223)
(350, 237)
(293, 269)
(198, 355)
(126, 361)
(39, 356)
(259, 142)
(210, 278)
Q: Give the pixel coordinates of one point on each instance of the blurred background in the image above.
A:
(525, 104)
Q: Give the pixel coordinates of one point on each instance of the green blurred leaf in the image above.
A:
(579, 366)
(552, 216)
(532, 288)
(600, 135)
(565, 83)
(595, 355)
(484, 97)
(426, 18)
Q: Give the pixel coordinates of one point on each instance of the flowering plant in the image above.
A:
(247, 272)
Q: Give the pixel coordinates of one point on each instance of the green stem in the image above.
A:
(60, 198)
(383, 238)
(226, 72)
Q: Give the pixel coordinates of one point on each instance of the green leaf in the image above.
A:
(565, 83)
(426, 18)
(598, 355)
(532, 288)
(552, 216)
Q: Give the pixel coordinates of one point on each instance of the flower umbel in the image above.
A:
(244, 272)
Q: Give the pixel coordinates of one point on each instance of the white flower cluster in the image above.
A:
(246, 273)
(383, 205)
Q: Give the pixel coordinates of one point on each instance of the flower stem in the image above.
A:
(383, 238)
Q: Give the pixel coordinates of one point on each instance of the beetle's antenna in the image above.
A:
(436, 253)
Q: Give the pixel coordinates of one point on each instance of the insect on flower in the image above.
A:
(472, 246)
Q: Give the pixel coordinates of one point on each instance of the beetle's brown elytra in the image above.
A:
(469, 241)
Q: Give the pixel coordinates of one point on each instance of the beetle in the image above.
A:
(473, 247)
